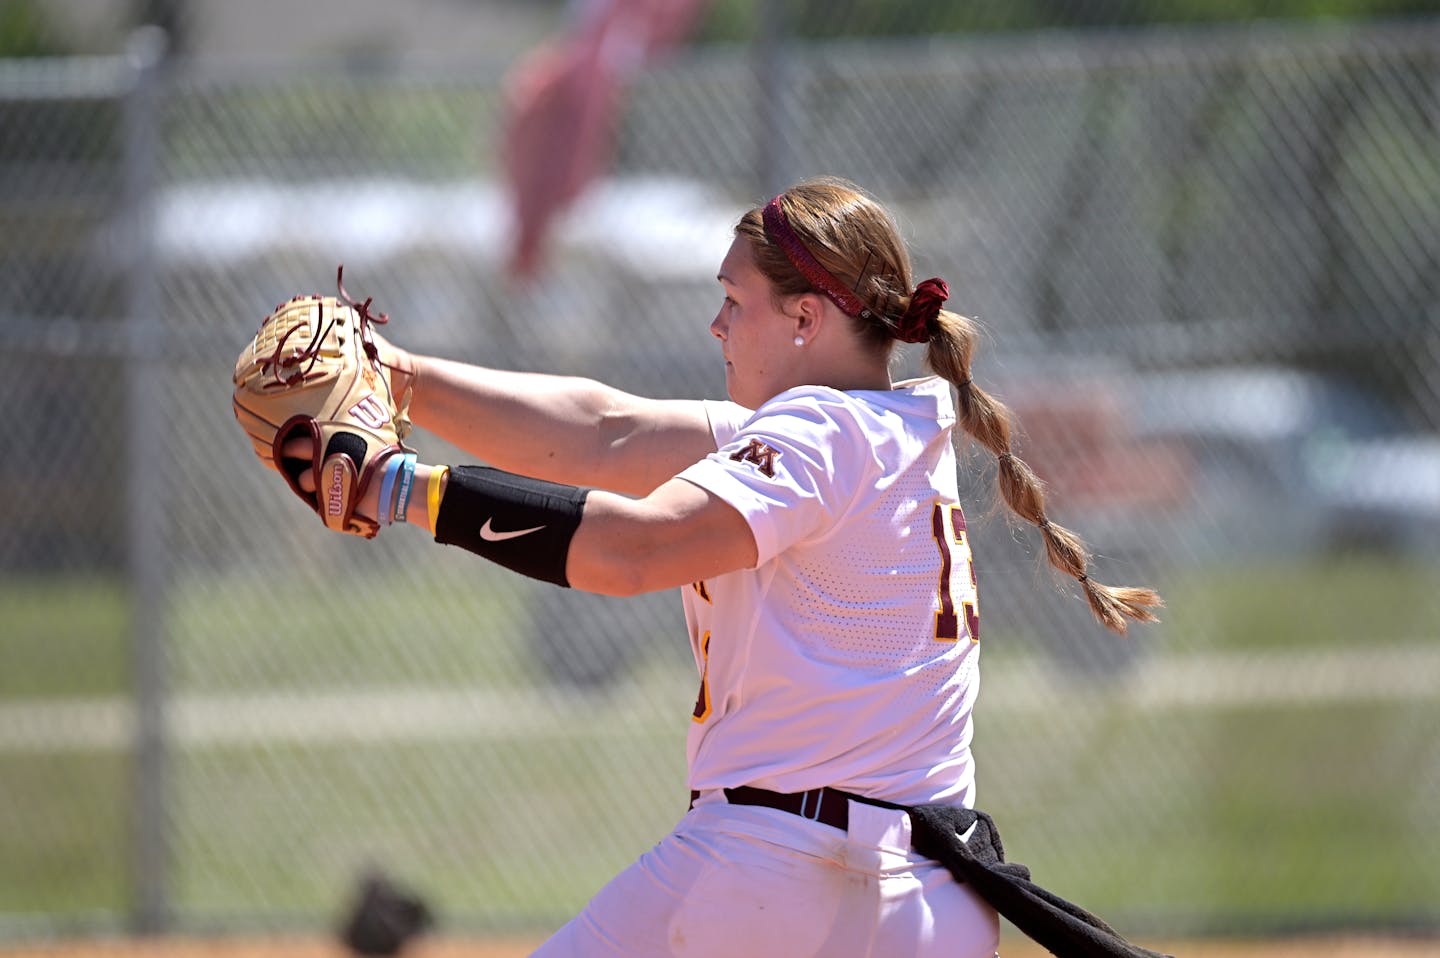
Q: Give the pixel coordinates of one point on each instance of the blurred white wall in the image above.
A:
(392, 30)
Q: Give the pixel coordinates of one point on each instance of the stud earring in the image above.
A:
(799, 340)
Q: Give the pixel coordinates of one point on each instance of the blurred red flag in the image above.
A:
(561, 102)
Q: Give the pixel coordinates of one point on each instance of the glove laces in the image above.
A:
(295, 368)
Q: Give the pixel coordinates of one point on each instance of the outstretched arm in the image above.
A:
(561, 428)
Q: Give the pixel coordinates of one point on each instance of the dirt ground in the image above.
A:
(1342, 947)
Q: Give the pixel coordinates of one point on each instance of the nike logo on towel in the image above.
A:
(490, 535)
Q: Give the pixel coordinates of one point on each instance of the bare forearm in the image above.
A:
(677, 535)
(531, 423)
(561, 428)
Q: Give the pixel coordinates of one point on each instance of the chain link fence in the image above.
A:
(1207, 266)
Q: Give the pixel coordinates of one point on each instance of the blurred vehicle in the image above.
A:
(1227, 462)
(1287, 462)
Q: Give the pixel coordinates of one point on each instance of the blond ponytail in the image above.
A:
(985, 419)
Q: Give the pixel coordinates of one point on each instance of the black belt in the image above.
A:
(828, 806)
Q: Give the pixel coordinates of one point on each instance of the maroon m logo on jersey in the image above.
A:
(761, 455)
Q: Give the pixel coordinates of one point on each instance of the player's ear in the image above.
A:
(809, 315)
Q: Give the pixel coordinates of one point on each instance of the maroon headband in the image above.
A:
(913, 326)
(778, 228)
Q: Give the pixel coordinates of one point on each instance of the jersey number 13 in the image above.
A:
(957, 575)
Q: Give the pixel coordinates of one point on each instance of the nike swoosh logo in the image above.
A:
(490, 535)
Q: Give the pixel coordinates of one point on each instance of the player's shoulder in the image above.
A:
(809, 415)
(926, 400)
(817, 411)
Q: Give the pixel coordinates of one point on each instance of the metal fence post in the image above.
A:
(146, 483)
(774, 80)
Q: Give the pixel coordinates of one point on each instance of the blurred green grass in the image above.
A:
(63, 637)
(69, 638)
(1294, 605)
(1247, 815)
(287, 829)
(66, 638)
(63, 832)
(1274, 816)
(1259, 818)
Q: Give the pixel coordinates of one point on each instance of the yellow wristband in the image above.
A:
(432, 495)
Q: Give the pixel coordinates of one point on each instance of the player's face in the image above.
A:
(756, 339)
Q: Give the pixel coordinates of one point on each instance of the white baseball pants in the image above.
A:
(742, 880)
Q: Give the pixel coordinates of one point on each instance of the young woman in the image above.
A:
(814, 527)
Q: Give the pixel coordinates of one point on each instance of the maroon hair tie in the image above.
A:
(925, 303)
(777, 227)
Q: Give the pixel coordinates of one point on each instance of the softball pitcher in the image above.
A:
(814, 527)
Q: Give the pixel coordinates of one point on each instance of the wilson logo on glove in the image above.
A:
(370, 412)
(336, 502)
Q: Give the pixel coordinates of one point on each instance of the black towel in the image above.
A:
(1065, 929)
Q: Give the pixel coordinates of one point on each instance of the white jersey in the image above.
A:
(848, 657)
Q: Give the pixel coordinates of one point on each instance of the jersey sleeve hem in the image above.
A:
(715, 479)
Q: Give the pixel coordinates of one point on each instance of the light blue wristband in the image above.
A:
(402, 495)
(387, 489)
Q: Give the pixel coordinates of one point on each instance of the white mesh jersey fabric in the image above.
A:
(831, 663)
